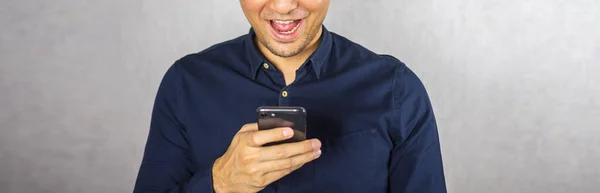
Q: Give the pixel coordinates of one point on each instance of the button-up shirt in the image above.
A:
(370, 111)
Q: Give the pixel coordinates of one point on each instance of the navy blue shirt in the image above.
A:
(371, 112)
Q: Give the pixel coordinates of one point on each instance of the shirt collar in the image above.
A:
(318, 59)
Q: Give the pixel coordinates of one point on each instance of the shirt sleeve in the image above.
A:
(167, 164)
(416, 161)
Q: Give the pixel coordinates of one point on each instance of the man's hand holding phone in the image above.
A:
(249, 166)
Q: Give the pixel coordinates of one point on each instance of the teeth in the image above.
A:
(283, 22)
(291, 31)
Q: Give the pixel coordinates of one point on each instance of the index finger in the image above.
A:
(262, 137)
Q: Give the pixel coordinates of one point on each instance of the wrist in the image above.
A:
(217, 180)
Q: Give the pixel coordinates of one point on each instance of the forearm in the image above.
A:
(154, 178)
(417, 169)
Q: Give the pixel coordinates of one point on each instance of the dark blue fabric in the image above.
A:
(371, 112)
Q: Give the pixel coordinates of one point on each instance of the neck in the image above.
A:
(289, 65)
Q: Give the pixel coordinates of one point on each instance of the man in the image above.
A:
(371, 127)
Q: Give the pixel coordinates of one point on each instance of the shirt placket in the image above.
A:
(284, 185)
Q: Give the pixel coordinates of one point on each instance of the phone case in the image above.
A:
(270, 117)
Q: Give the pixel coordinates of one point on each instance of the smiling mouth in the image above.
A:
(285, 27)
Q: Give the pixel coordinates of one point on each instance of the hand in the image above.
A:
(247, 166)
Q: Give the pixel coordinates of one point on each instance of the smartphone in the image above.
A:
(270, 117)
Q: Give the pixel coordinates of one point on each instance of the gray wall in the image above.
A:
(515, 84)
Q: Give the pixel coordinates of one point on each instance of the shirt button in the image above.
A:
(265, 65)
(284, 93)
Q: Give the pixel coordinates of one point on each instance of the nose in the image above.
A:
(284, 6)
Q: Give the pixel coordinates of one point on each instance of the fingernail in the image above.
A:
(317, 153)
(287, 132)
(316, 143)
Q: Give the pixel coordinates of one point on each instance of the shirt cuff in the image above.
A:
(202, 181)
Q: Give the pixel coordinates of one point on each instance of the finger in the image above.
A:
(249, 127)
(259, 138)
(287, 150)
(289, 164)
(274, 176)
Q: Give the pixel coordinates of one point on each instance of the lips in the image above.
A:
(285, 30)
(285, 27)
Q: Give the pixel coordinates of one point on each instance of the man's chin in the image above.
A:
(285, 54)
(284, 51)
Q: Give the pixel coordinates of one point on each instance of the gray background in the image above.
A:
(515, 84)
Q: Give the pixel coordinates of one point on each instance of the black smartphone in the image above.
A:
(270, 117)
